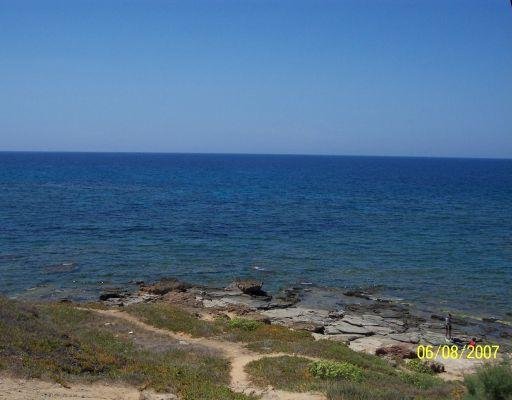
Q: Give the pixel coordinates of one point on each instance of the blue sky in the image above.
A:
(418, 78)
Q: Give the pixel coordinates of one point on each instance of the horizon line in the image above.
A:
(254, 154)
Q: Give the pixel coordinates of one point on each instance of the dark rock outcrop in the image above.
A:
(396, 351)
(166, 285)
(113, 293)
(248, 286)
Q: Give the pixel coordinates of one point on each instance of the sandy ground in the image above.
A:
(35, 389)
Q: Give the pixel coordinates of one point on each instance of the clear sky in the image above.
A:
(355, 77)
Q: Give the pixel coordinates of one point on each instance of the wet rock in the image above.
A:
(489, 319)
(358, 293)
(113, 293)
(287, 297)
(390, 314)
(237, 300)
(248, 286)
(166, 285)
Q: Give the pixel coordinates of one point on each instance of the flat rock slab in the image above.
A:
(354, 320)
(390, 314)
(371, 343)
(406, 337)
(381, 330)
(433, 338)
(344, 327)
(340, 337)
(373, 320)
(297, 314)
(238, 300)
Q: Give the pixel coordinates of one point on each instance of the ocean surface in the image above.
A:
(433, 232)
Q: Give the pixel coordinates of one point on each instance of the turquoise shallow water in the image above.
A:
(436, 232)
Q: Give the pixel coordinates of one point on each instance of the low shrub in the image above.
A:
(419, 366)
(244, 324)
(490, 382)
(334, 370)
(419, 380)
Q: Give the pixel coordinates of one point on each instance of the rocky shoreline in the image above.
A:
(361, 319)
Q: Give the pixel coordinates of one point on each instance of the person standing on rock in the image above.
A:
(448, 327)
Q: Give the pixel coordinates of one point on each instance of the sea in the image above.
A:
(434, 232)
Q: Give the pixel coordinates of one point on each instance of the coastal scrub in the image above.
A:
(64, 344)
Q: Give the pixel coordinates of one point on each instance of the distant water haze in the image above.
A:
(435, 232)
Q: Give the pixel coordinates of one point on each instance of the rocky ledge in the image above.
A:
(360, 319)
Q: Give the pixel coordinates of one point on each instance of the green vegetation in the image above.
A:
(59, 342)
(419, 366)
(336, 370)
(360, 376)
(419, 379)
(490, 382)
(244, 324)
(286, 372)
(174, 319)
(343, 381)
(260, 337)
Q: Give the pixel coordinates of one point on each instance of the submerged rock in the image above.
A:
(60, 268)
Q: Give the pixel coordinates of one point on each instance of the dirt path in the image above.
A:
(237, 354)
(36, 389)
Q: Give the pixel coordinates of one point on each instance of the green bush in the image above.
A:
(419, 380)
(244, 324)
(490, 382)
(420, 366)
(334, 370)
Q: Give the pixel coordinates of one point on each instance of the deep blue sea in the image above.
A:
(434, 232)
